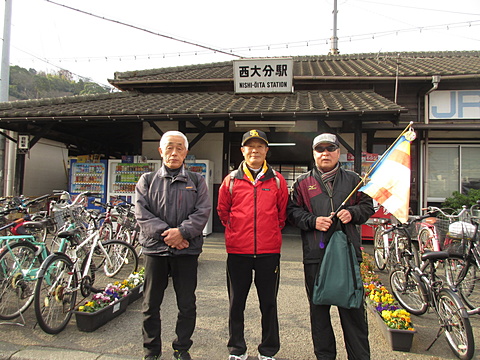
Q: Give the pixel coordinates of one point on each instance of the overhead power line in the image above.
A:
(146, 30)
(269, 47)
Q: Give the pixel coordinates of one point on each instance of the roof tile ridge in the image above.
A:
(166, 70)
(65, 99)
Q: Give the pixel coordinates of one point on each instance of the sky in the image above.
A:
(93, 39)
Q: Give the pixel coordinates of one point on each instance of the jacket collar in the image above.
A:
(182, 175)
(268, 173)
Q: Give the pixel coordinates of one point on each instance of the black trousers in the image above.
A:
(240, 271)
(183, 270)
(354, 326)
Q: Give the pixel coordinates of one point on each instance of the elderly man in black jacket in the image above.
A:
(316, 196)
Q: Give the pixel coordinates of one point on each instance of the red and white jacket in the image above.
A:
(253, 214)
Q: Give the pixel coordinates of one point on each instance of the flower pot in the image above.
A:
(91, 321)
(135, 294)
(399, 340)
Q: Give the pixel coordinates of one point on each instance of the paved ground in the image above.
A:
(121, 338)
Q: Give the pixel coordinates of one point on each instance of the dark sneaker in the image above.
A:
(151, 357)
(181, 355)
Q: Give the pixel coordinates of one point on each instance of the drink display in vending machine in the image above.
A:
(123, 176)
(89, 176)
(204, 167)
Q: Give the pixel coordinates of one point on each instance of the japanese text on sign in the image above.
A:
(263, 75)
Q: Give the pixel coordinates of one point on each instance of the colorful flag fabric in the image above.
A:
(389, 182)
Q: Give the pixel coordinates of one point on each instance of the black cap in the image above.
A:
(254, 134)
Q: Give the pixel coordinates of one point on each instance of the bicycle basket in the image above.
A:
(60, 215)
(127, 220)
(461, 230)
(79, 214)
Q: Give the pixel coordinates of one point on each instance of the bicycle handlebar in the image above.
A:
(33, 201)
(408, 223)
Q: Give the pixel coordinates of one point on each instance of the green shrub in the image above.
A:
(457, 200)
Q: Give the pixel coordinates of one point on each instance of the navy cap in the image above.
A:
(254, 134)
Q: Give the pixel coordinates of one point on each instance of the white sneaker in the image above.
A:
(262, 357)
(238, 357)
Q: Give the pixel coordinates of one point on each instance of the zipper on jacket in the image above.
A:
(254, 221)
(330, 191)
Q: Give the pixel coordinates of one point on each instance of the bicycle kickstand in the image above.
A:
(23, 323)
(440, 332)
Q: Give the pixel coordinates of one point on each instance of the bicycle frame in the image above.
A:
(42, 253)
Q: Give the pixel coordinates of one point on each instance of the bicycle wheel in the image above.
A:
(106, 232)
(379, 249)
(469, 285)
(409, 291)
(55, 293)
(456, 323)
(405, 251)
(425, 242)
(116, 259)
(124, 235)
(18, 270)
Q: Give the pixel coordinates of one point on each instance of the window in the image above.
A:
(290, 172)
(452, 168)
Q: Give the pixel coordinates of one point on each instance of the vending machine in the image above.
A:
(123, 176)
(204, 167)
(89, 176)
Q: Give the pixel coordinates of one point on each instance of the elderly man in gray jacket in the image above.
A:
(172, 207)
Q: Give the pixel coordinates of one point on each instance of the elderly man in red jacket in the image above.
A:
(252, 204)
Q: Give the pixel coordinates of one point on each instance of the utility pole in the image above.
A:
(334, 38)
(4, 92)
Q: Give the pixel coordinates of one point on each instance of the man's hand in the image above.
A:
(323, 223)
(345, 216)
(173, 238)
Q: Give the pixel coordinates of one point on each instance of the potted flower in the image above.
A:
(394, 321)
(134, 285)
(103, 307)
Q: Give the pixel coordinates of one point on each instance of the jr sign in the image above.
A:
(455, 104)
(263, 75)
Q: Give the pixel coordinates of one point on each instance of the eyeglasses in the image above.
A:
(329, 148)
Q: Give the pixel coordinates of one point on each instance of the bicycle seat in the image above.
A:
(68, 233)
(435, 255)
(34, 225)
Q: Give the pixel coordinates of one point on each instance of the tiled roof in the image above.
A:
(410, 64)
(132, 104)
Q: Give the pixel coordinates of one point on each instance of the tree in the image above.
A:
(32, 84)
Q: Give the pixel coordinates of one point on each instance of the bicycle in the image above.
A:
(21, 205)
(129, 229)
(434, 234)
(462, 268)
(417, 287)
(390, 241)
(20, 260)
(61, 276)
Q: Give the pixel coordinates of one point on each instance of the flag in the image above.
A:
(389, 181)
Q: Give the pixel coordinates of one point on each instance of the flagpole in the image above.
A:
(370, 170)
